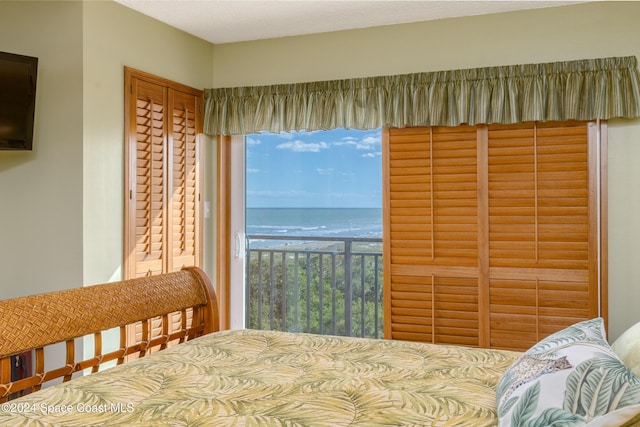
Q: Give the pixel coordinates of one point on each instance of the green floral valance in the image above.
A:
(588, 89)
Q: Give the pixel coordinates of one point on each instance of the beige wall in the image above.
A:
(41, 190)
(543, 35)
(115, 36)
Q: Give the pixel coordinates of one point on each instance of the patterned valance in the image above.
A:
(587, 89)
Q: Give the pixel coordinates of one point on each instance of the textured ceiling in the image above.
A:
(226, 21)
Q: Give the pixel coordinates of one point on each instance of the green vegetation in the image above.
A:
(304, 290)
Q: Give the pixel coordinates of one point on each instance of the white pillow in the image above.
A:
(627, 347)
(571, 378)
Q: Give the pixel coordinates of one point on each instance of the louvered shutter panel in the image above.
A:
(454, 267)
(150, 153)
(162, 226)
(433, 235)
(539, 231)
(491, 232)
(184, 181)
(409, 248)
(513, 229)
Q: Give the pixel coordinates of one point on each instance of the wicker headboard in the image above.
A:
(150, 312)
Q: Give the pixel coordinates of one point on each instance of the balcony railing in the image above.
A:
(317, 285)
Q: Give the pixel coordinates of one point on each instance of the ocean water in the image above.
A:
(315, 222)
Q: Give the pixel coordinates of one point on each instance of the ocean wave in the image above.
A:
(312, 222)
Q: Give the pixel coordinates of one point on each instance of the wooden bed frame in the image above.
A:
(151, 313)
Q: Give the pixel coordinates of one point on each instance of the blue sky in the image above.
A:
(338, 168)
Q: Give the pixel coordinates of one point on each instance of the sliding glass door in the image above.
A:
(307, 232)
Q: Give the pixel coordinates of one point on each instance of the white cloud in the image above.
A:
(303, 147)
(348, 139)
(250, 170)
(252, 141)
(372, 140)
(286, 135)
(294, 134)
(368, 142)
(328, 171)
(371, 155)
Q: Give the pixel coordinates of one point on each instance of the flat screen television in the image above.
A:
(18, 75)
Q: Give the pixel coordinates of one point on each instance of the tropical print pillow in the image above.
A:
(568, 379)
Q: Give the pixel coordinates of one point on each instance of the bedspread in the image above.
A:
(259, 378)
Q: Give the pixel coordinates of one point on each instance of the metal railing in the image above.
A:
(322, 285)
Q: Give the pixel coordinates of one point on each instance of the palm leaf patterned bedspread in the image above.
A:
(260, 378)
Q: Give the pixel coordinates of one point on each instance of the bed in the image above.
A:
(263, 378)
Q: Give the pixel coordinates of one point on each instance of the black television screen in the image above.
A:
(18, 75)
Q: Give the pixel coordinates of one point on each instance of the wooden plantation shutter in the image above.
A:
(184, 181)
(542, 226)
(491, 235)
(147, 231)
(433, 228)
(455, 235)
(162, 203)
(162, 168)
